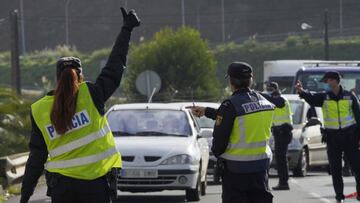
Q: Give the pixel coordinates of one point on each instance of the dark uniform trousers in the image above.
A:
(246, 187)
(340, 141)
(282, 137)
(64, 189)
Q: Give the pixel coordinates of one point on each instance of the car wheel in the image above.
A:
(301, 168)
(203, 187)
(193, 195)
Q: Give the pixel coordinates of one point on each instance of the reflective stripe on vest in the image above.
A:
(86, 151)
(338, 114)
(81, 161)
(248, 142)
(80, 142)
(283, 115)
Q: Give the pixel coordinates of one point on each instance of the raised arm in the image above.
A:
(109, 79)
(316, 99)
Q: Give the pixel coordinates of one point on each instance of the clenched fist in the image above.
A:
(130, 19)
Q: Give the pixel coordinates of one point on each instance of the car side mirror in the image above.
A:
(204, 133)
(313, 121)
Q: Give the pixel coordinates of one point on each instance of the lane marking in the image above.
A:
(322, 199)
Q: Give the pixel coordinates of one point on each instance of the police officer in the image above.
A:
(341, 122)
(71, 134)
(281, 130)
(241, 133)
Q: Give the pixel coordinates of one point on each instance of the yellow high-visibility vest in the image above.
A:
(283, 115)
(251, 130)
(87, 151)
(338, 114)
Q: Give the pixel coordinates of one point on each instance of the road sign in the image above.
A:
(147, 81)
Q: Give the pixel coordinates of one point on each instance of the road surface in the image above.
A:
(315, 188)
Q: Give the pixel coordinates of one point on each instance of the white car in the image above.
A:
(306, 149)
(161, 148)
(206, 130)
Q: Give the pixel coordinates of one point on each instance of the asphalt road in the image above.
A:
(315, 188)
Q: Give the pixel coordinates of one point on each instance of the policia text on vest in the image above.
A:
(241, 133)
(82, 163)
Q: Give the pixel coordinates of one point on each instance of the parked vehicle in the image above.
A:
(206, 130)
(283, 72)
(306, 149)
(349, 70)
(161, 149)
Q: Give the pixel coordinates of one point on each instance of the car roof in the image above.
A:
(204, 104)
(292, 97)
(139, 106)
(330, 68)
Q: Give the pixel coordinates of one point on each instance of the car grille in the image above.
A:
(128, 158)
(161, 180)
(151, 158)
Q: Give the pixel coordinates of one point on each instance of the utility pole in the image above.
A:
(183, 12)
(67, 3)
(23, 42)
(223, 20)
(326, 35)
(14, 45)
(341, 16)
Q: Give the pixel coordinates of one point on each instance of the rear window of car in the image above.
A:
(297, 111)
(149, 123)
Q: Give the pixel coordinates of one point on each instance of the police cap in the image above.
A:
(331, 75)
(273, 85)
(68, 62)
(239, 70)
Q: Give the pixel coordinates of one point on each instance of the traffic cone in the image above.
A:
(352, 195)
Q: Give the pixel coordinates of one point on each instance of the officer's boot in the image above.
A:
(281, 186)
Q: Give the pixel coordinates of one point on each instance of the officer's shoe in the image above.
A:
(340, 201)
(281, 187)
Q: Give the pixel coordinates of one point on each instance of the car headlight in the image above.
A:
(179, 159)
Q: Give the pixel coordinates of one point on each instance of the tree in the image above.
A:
(183, 61)
(14, 122)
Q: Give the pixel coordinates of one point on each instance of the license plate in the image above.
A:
(139, 173)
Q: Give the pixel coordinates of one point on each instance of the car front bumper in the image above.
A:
(167, 179)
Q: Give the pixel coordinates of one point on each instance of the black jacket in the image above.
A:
(225, 117)
(106, 83)
(275, 98)
(317, 99)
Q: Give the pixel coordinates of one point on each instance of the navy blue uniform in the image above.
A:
(342, 140)
(282, 137)
(248, 182)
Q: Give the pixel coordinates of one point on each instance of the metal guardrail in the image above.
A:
(12, 168)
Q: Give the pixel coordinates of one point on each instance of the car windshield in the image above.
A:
(149, 123)
(349, 81)
(297, 110)
(205, 122)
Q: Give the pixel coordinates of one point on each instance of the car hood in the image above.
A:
(163, 147)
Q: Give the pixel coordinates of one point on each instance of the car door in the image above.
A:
(312, 134)
(203, 146)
